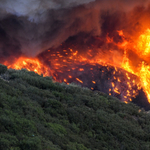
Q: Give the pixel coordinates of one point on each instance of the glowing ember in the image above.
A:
(79, 80)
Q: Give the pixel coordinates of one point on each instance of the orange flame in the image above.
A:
(31, 64)
(143, 45)
(142, 69)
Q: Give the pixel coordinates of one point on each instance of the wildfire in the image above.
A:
(142, 70)
(67, 65)
(31, 64)
(143, 45)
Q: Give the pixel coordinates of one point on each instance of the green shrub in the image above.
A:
(31, 143)
(57, 128)
(8, 142)
(3, 69)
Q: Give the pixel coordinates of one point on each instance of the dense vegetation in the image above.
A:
(38, 114)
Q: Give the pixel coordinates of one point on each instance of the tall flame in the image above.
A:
(143, 68)
(143, 45)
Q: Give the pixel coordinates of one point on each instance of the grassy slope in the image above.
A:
(37, 114)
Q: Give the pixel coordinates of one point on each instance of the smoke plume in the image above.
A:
(32, 26)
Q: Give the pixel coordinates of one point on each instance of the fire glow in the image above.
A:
(31, 64)
(67, 65)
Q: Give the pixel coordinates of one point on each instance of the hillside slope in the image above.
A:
(38, 114)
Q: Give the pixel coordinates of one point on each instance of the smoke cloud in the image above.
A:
(32, 26)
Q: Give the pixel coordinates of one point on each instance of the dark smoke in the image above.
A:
(32, 26)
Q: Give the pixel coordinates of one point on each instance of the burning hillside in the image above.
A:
(94, 43)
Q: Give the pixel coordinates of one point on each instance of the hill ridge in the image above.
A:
(39, 114)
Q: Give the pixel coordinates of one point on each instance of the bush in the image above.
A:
(8, 141)
(3, 69)
(31, 143)
(57, 129)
